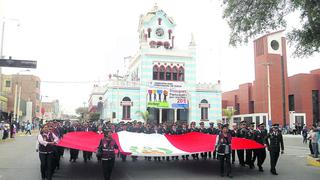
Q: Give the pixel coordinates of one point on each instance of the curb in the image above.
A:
(313, 161)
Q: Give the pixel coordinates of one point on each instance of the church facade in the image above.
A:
(161, 79)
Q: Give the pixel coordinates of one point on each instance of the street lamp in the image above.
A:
(268, 64)
(2, 42)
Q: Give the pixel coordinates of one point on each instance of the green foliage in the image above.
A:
(94, 116)
(228, 113)
(81, 110)
(144, 115)
(249, 18)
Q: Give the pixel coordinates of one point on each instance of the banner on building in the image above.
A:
(167, 95)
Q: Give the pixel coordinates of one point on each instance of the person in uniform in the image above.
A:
(147, 130)
(203, 130)
(249, 152)
(223, 148)
(165, 130)
(193, 128)
(274, 143)
(74, 153)
(242, 133)
(106, 151)
(260, 136)
(174, 131)
(184, 130)
(213, 131)
(45, 143)
(233, 133)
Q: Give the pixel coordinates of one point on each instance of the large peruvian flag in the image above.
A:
(139, 144)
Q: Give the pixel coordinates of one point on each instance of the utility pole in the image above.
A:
(268, 64)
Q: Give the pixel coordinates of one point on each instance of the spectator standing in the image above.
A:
(305, 134)
(313, 136)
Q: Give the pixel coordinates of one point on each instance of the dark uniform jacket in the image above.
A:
(212, 131)
(203, 130)
(275, 141)
(242, 133)
(106, 149)
(250, 134)
(260, 136)
(184, 130)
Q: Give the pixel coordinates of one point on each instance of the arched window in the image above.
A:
(126, 108)
(168, 73)
(174, 73)
(159, 21)
(153, 44)
(169, 32)
(181, 74)
(166, 45)
(159, 43)
(149, 32)
(155, 72)
(204, 105)
(161, 73)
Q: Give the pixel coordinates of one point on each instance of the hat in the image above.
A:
(225, 125)
(243, 121)
(261, 124)
(201, 123)
(211, 123)
(275, 125)
(174, 124)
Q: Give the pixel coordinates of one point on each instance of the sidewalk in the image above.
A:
(33, 133)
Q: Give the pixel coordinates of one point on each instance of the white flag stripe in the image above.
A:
(140, 144)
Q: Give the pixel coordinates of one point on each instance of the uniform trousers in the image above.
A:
(225, 159)
(107, 166)
(46, 165)
(274, 156)
(261, 156)
(249, 157)
(240, 154)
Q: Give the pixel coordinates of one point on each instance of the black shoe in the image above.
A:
(229, 176)
(243, 165)
(260, 169)
(222, 175)
(274, 173)
(232, 162)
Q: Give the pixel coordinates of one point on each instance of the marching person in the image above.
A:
(106, 152)
(184, 130)
(242, 133)
(45, 142)
(213, 131)
(193, 128)
(223, 148)
(274, 142)
(233, 133)
(203, 130)
(249, 152)
(260, 137)
(174, 131)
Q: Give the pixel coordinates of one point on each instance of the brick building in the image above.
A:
(271, 90)
(30, 91)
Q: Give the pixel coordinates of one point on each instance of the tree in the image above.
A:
(249, 18)
(228, 113)
(94, 116)
(82, 111)
(144, 115)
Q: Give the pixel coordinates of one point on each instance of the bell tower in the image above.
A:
(271, 77)
(156, 29)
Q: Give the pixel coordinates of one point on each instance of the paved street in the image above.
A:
(18, 160)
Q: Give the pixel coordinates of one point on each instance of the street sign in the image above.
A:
(18, 63)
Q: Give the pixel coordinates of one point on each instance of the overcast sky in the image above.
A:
(85, 40)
